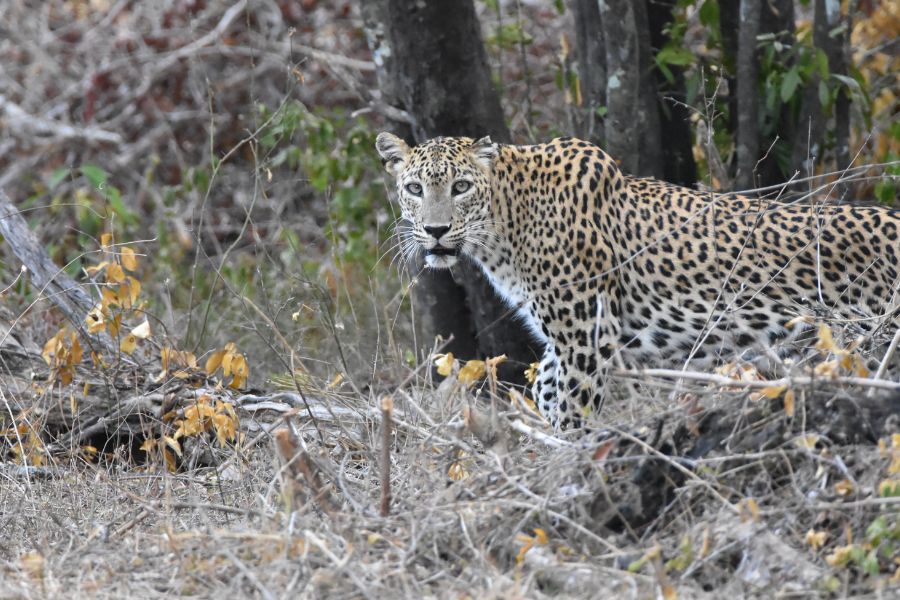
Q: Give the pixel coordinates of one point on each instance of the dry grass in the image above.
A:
(713, 494)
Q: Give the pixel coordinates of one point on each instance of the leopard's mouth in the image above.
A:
(441, 257)
(442, 251)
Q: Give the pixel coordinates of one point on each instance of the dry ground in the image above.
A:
(703, 494)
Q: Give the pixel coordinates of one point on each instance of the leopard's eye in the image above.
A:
(414, 188)
(461, 187)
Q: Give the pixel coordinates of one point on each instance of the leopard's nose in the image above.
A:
(436, 231)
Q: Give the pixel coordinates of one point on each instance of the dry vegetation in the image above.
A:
(135, 147)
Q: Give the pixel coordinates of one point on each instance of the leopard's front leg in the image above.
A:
(583, 352)
(544, 389)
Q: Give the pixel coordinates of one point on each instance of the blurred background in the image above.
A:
(231, 143)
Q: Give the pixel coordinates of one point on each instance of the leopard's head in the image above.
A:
(444, 191)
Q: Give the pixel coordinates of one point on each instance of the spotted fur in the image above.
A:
(606, 267)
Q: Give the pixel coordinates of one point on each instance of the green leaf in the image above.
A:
(95, 175)
(57, 177)
(850, 82)
(675, 55)
(709, 13)
(789, 84)
(870, 563)
(824, 94)
(886, 191)
(822, 63)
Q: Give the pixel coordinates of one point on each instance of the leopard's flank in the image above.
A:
(607, 268)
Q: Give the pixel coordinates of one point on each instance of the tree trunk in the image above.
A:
(650, 152)
(812, 121)
(747, 145)
(623, 83)
(674, 115)
(590, 54)
(435, 67)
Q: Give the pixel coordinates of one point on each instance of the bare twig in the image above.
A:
(387, 406)
(727, 382)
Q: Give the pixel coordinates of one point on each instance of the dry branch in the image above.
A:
(19, 121)
(54, 284)
(387, 407)
(727, 382)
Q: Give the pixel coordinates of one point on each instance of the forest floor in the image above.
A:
(721, 484)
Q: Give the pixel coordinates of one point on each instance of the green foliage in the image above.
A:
(509, 36)
(338, 157)
(886, 188)
(788, 66)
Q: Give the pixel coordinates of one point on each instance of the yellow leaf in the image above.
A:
(171, 465)
(540, 536)
(840, 557)
(173, 444)
(774, 391)
(114, 273)
(93, 270)
(51, 348)
(444, 364)
(472, 371)
(128, 344)
(114, 325)
(807, 442)
(239, 372)
(129, 291)
(826, 339)
(142, 331)
(335, 381)
(148, 445)
(789, 405)
(531, 372)
(752, 508)
(457, 472)
(107, 297)
(106, 240)
(816, 539)
(843, 487)
(226, 361)
(828, 368)
(129, 259)
(214, 361)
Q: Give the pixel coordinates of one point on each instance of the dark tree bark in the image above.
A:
(590, 54)
(747, 138)
(650, 155)
(674, 116)
(812, 121)
(435, 67)
(623, 82)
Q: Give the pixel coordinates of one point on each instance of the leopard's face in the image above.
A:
(444, 192)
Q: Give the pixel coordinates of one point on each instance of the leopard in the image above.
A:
(606, 268)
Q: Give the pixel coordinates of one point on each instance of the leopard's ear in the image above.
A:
(393, 151)
(485, 152)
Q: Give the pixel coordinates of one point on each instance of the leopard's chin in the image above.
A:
(440, 260)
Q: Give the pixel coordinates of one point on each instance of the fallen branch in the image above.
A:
(53, 282)
(723, 381)
(19, 121)
(387, 407)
